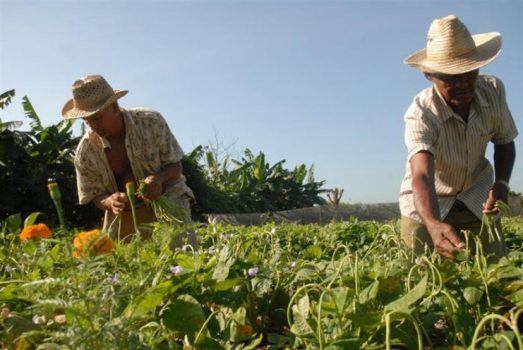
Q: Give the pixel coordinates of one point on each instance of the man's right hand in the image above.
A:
(445, 239)
(116, 202)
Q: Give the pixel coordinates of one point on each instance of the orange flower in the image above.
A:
(35, 231)
(244, 329)
(91, 242)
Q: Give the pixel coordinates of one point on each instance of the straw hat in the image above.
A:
(452, 50)
(90, 95)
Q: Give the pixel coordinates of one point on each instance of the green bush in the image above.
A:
(250, 184)
(28, 159)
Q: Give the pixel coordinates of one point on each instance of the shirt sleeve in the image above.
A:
(420, 132)
(170, 150)
(89, 182)
(506, 130)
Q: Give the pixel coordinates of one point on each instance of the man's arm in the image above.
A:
(443, 235)
(504, 157)
(169, 173)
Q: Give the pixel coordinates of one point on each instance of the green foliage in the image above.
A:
(5, 100)
(255, 287)
(28, 159)
(250, 185)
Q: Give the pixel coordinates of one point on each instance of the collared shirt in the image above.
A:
(461, 170)
(150, 146)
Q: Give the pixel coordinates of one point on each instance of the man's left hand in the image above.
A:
(153, 187)
(498, 192)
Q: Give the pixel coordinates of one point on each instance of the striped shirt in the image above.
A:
(461, 170)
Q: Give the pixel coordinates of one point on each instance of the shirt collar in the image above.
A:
(441, 105)
(479, 100)
(129, 128)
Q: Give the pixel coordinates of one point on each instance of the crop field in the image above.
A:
(347, 285)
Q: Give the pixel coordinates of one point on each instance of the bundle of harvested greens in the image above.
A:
(165, 209)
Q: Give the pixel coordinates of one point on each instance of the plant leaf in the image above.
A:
(415, 294)
(5, 98)
(31, 219)
(472, 295)
(30, 113)
(148, 300)
(185, 315)
(14, 223)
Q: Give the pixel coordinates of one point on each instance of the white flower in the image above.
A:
(293, 264)
(37, 319)
(253, 271)
(9, 269)
(273, 231)
(440, 324)
(384, 236)
(177, 270)
(418, 261)
(113, 279)
(81, 286)
(59, 319)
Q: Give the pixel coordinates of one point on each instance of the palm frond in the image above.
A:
(5, 98)
(65, 126)
(30, 113)
(11, 125)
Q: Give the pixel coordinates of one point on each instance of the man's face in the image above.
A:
(458, 90)
(103, 122)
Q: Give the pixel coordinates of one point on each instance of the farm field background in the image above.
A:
(346, 285)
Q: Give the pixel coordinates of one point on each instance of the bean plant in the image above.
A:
(346, 285)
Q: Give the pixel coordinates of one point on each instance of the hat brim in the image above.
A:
(70, 112)
(488, 47)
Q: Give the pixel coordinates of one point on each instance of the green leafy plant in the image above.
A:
(249, 184)
(29, 158)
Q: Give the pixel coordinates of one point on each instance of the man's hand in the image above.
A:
(153, 187)
(116, 202)
(445, 239)
(498, 192)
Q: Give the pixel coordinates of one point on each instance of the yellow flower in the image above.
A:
(35, 231)
(92, 242)
(54, 191)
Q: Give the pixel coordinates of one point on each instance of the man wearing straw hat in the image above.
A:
(449, 183)
(123, 145)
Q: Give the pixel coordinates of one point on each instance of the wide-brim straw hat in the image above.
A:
(90, 95)
(452, 50)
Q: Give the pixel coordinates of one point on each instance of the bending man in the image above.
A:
(123, 145)
(449, 183)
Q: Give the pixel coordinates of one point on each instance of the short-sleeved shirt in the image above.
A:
(461, 170)
(150, 146)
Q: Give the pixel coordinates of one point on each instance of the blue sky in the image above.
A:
(317, 82)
